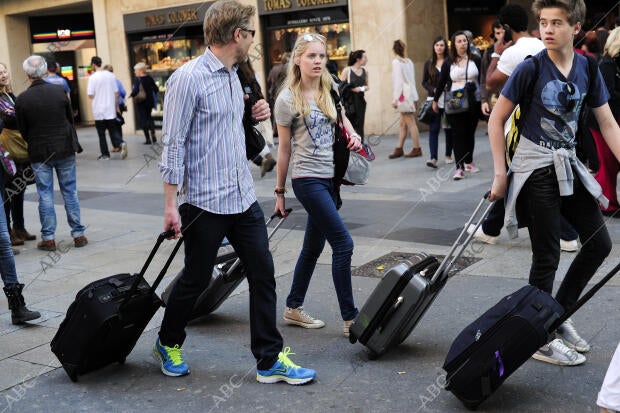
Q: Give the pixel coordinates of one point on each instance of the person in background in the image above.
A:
(14, 195)
(356, 75)
(103, 92)
(121, 101)
(12, 287)
(207, 177)
(403, 72)
(276, 77)
(264, 160)
(145, 107)
(306, 116)
(461, 70)
(54, 78)
(488, 97)
(45, 118)
(432, 67)
(607, 174)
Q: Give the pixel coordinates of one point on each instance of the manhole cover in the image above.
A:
(379, 267)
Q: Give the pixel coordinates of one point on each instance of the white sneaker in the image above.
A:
(470, 167)
(123, 150)
(449, 160)
(569, 246)
(299, 317)
(556, 352)
(567, 332)
(480, 235)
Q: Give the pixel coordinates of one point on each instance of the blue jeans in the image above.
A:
(7, 262)
(545, 209)
(433, 137)
(44, 177)
(324, 223)
(203, 233)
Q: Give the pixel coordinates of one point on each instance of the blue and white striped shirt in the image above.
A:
(203, 137)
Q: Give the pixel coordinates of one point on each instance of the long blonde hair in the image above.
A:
(7, 88)
(612, 46)
(293, 80)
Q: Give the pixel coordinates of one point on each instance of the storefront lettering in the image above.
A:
(183, 16)
(154, 20)
(271, 5)
(307, 3)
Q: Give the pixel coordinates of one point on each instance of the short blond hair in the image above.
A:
(223, 18)
(612, 45)
(140, 66)
(575, 9)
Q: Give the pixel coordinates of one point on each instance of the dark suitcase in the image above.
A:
(490, 349)
(228, 273)
(107, 317)
(405, 293)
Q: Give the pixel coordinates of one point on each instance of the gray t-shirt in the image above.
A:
(312, 140)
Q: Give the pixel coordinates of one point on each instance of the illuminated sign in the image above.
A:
(63, 34)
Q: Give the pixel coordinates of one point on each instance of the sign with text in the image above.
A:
(172, 17)
(285, 6)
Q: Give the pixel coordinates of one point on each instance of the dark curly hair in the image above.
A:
(399, 48)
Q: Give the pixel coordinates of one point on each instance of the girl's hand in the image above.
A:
(435, 107)
(355, 143)
(498, 189)
(280, 205)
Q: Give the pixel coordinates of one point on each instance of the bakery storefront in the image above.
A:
(165, 39)
(282, 21)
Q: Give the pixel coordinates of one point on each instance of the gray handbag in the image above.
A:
(358, 170)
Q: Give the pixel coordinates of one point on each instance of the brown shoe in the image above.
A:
(15, 240)
(415, 152)
(23, 234)
(49, 245)
(79, 242)
(398, 152)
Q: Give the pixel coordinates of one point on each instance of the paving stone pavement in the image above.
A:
(406, 207)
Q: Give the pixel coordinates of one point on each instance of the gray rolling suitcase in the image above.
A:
(227, 274)
(406, 292)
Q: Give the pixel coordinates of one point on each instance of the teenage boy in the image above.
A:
(505, 58)
(546, 173)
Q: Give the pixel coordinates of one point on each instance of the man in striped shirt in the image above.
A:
(205, 171)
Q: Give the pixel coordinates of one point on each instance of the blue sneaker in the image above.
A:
(285, 370)
(171, 360)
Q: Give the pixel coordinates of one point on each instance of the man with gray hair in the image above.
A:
(45, 120)
(204, 161)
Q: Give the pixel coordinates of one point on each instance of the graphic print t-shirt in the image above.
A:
(552, 118)
(312, 138)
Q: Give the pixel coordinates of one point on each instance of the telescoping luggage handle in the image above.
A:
(463, 240)
(585, 298)
(273, 231)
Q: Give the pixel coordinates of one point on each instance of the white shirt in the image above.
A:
(609, 396)
(403, 72)
(102, 85)
(515, 54)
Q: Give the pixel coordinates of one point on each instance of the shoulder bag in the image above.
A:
(15, 144)
(426, 114)
(458, 101)
(141, 96)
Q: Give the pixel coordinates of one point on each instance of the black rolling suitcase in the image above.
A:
(107, 317)
(228, 273)
(405, 293)
(490, 349)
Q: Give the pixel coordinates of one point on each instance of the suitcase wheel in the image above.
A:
(352, 338)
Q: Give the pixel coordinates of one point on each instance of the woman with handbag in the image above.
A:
(459, 83)
(306, 114)
(356, 75)
(404, 95)
(144, 92)
(17, 147)
(432, 68)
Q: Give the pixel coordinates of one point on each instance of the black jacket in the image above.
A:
(44, 118)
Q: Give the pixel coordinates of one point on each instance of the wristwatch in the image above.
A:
(495, 55)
